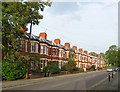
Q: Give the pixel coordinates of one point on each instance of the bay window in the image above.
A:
(32, 46)
(41, 49)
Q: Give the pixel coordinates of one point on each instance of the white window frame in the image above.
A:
(32, 45)
(53, 51)
(36, 48)
(59, 53)
(77, 56)
(67, 54)
(45, 49)
(41, 49)
(62, 53)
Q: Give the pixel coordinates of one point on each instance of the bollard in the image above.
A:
(48, 73)
(45, 74)
(109, 76)
(112, 74)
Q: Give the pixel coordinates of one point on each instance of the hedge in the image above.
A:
(12, 70)
(52, 69)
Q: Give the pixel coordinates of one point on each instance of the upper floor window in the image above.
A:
(36, 50)
(76, 56)
(79, 57)
(67, 54)
(60, 53)
(32, 47)
(54, 51)
(57, 52)
(41, 49)
(49, 51)
(45, 49)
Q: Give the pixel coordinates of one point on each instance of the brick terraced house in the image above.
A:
(57, 53)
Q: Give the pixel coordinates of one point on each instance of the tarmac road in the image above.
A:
(81, 81)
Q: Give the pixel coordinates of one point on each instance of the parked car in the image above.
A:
(118, 69)
(110, 69)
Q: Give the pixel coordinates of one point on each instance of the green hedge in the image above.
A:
(52, 69)
(63, 68)
(92, 67)
(12, 70)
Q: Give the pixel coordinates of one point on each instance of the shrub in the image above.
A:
(12, 70)
(63, 68)
(36, 71)
(81, 69)
(51, 68)
(87, 68)
(71, 66)
(98, 68)
(92, 67)
(77, 69)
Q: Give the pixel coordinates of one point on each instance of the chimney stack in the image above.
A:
(67, 45)
(85, 51)
(57, 41)
(74, 47)
(43, 35)
(81, 50)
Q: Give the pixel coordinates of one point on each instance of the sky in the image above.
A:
(91, 25)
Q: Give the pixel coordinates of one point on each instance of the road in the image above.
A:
(80, 81)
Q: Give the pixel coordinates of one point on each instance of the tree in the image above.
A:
(71, 66)
(112, 54)
(14, 16)
(71, 54)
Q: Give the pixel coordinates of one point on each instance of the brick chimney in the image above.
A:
(67, 45)
(90, 53)
(43, 35)
(74, 47)
(57, 41)
(85, 51)
(81, 50)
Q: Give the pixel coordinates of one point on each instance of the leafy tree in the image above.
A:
(112, 54)
(53, 68)
(104, 56)
(12, 70)
(14, 16)
(71, 66)
(71, 54)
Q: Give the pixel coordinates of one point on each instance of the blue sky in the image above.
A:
(92, 26)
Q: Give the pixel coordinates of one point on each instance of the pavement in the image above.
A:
(105, 85)
(79, 81)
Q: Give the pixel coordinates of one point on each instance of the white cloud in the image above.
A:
(93, 26)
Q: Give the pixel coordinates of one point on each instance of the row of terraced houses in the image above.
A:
(55, 52)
